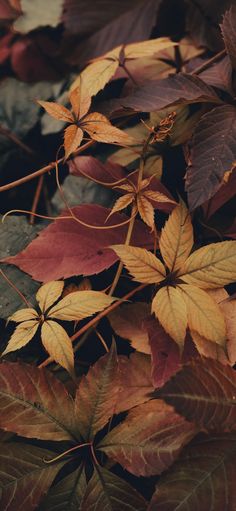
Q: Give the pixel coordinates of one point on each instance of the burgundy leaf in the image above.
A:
(203, 478)
(218, 75)
(106, 172)
(226, 192)
(204, 391)
(228, 28)
(67, 248)
(213, 152)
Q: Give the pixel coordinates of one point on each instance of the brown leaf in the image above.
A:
(127, 322)
(146, 210)
(135, 384)
(99, 128)
(80, 99)
(229, 33)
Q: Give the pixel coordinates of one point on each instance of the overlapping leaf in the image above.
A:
(229, 33)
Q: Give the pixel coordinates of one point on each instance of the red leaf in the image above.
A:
(204, 391)
(106, 172)
(213, 152)
(226, 192)
(67, 248)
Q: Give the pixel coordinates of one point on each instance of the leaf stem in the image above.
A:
(15, 288)
(72, 449)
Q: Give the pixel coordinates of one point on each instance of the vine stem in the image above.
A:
(72, 449)
(15, 288)
(209, 62)
(97, 318)
(36, 199)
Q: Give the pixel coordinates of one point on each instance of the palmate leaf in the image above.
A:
(23, 333)
(170, 308)
(24, 477)
(67, 494)
(212, 266)
(147, 447)
(204, 392)
(59, 112)
(176, 239)
(142, 265)
(203, 478)
(34, 404)
(108, 492)
(58, 344)
(97, 394)
(80, 305)
(48, 294)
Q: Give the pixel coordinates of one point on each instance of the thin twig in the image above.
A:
(15, 288)
(36, 199)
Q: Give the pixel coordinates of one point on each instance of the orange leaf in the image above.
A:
(122, 203)
(80, 101)
(146, 210)
(59, 112)
(99, 128)
(72, 139)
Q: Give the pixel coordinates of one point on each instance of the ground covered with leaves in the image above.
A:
(117, 255)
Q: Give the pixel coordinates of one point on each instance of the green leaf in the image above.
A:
(34, 403)
(108, 492)
(24, 477)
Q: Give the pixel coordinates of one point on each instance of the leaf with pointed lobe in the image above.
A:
(169, 307)
(100, 129)
(107, 172)
(148, 447)
(142, 264)
(146, 210)
(204, 391)
(58, 344)
(67, 248)
(127, 322)
(66, 494)
(59, 112)
(108, 492)
(135, 385)
(203, 478)
(176, 239)
(229, 33)
(96, 396)
(23, 334)
(212, 266)
(204, 314)
(80, 305)
(212, 153)
(80, 99)
(122, 203)
(147, 48)
(34, 403)
(49, 293)
(24, 477)
(73, 137)
(23, 315)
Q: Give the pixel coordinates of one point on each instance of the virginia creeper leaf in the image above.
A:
(58, 344)
(142, 264)
(23, 333)
(80, 304)
(169, 307)
(49, 293)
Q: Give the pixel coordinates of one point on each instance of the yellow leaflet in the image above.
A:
(177, 238)
(141, 263)
(169, 307)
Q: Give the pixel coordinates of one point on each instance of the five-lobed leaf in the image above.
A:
(58, 344)
(80, 305)
(142, 264)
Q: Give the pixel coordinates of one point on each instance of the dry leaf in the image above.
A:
(141, 263)
(170, 309)
(58, 344)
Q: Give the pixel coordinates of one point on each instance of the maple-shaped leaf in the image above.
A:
(73, 307)
(95, 124)
(212, 153)
(229, 33)
(145, 447)
(96, 396)
(66, 494)
(102, 69)
(67, 248)
(204, 392)
(107, 491)
(179, 301)
(203, 478)
(35, 404)
(24, 477)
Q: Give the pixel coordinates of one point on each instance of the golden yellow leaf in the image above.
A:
(57, 111)
(145, 210)
(80, 304)
(169, 307)
(176, 239)
(80, 100)
(208, 349)
(58, 344)
(99, 73)
(122, 203)
(212, 266)
(23, 333)
(99, 128)
(23, 315)
(73, 137)
(142, 264)
(147, 48)
(158, 196)
(204, 314)
(127, 322)
(49, 293)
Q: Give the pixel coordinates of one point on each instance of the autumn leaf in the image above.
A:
(67, 493)
(170, 308)
(127, 322)
(201, 479)
(143, 265)
(135, 384)
(203, 391)
(229, 33)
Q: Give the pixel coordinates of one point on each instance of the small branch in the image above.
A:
(209, 62)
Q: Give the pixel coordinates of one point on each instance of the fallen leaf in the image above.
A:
(128, 322)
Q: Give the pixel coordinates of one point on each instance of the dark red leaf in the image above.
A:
(67, 248)
(224, 194)
(228, 28)
(106, 172)
(212, 153)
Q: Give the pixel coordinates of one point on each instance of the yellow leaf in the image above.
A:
(57, 111)
(80, 304)
(122, 203)
(22, 335)
(176, 239)
(73, 137)
(158, 196)
(145, 210)
(170, 309)
(212, 266)
(99, 128)
(23, 315)
(142, 264)
(208, 349)
(49, 293)
(147, 48)
(80, 100)
(99, 73)
(58, 344)
(204, 314)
